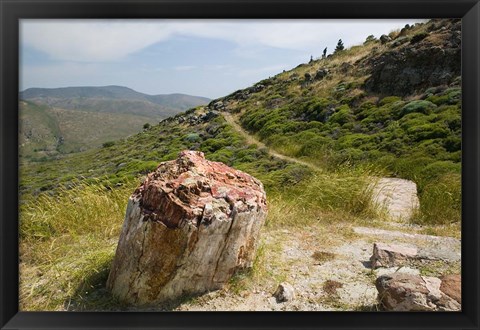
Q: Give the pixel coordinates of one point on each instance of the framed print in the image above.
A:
(239, 164)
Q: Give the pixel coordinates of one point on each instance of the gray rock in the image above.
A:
(386, 255)
(384, 39)
(320, 74)
(285, 292)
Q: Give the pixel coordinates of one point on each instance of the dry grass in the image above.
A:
(322, 257)
(67, 243)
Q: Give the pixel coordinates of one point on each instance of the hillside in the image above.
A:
(318, 136)
(84, 117)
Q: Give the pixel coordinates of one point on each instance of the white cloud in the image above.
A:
(113, 40)
(184, 67)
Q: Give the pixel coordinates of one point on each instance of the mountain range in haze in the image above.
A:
(55, 121)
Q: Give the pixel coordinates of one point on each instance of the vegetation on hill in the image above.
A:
(347, 114)
(336, 111)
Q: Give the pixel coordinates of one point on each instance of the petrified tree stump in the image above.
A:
(188, 228)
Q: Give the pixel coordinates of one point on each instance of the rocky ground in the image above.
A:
(329, 270)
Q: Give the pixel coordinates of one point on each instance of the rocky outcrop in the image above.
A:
(405, 292)
(188, 228)
(412, 67)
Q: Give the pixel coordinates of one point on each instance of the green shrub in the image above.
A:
(428, 131)
(342, 116)
(420, 106)
(388, 100)
(192, 137)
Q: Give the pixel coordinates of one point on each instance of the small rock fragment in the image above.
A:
(284, 292)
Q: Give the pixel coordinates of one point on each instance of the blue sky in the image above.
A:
(208, 58)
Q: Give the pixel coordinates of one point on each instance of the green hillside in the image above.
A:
(316, 136)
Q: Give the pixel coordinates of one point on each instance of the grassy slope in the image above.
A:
(72, 208)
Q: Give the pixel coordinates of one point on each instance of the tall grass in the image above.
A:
(67, 242)
(324, 197)
(440, 201)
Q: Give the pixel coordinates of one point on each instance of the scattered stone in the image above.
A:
(384, 39)
(405, 292)
(218, 105)
(285, 292)
(452, 287)
(386, 255)
(188, 228)
(320, 74)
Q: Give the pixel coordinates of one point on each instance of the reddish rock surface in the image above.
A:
(452, 287)
(406, 292)
(188, 228)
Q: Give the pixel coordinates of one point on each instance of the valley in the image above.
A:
(359, 147)
(59, 121)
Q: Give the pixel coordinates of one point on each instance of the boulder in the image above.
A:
(188, 228)
(384, 39)
(285, 292)
(389, 255)
(406, 292)
(321, 73)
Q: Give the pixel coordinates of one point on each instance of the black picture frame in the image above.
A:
(13, 10)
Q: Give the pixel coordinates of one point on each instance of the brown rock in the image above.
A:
(452, 287)
(405, 292)
(188, 228)
(389, 255)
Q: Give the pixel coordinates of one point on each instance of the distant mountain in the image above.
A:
(54, 121)
(116, 99)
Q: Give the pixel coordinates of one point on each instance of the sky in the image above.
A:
(210, 58)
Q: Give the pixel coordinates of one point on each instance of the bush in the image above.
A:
(388, 100)
(420, 106)
(342, 116)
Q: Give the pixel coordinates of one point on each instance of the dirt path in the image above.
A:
(397, 196)
(252, 140)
